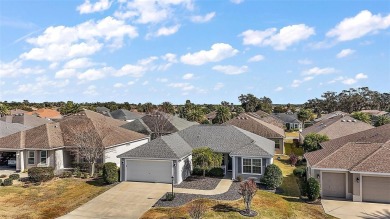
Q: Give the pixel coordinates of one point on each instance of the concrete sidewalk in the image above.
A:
(222, 187)
(356, 210)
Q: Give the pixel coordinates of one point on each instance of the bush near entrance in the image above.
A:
(41, 174)
(110, 173)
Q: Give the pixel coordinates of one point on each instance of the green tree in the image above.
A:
(195, 114)
(167, 107)
(364, 117)
(222, 115)
(69, 108)
(312, 141)
(4, 110)
(205, 158)
(313, 189)
(305, 115)
(148, 107)
(382, 120)
(273, 176)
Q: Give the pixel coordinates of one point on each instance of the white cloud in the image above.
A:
(131, 82)
(297, 83)
(145, 83)
(237, 1)
(278, 89)
(40, 86)
(61, 43)
(79, 63)
(182, 86)
(66, 73)
(169, 57)
(256, 58)
(91, 91)
(319, 71)
(131, 70)
(94, 74)
(188, 76)
(203, 19)
(166, 31)
(218, 86)
(100, 5)
(344, 53)
(305, 62)
(218, 52)
(349, 81)
(162, 80)
(231, 69)
(53, 65)
(279, 40)
(15, 69)
(118, 85)
(361, 76)
(362, 24)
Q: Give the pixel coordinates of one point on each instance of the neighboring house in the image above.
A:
(330, 115)
(244, 154)
(126, 115)
(25, 119)
(336, 127)
(374, 114)
(249, 122)
(211, 116)
(101, 109)
(268, 118)
(158, 124)
(354, 167)
(50, 144)
(46, 113)
(290, 120)
(17, 111)
(11, 128)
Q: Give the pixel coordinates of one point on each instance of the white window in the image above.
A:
(251, 166)
(31, 158)
(277, 143)
(43, 157)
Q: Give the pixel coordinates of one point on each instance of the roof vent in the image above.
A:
(324, 125)
(343, 120)
(354, 120)
(349, 120)
(246, 118)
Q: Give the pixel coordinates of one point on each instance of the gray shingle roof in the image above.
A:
(138, 125)
(11, 128)
(166, 147)
(26, 120)
(123, 114)
(287, 118)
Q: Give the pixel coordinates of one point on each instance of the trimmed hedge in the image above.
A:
(1, 182)
(300, 172)
(215, 172)
(7, 182)
(14, 176)
(273, 177)
(110, 173)
(41, 174)
(197, 171)
(313, 189)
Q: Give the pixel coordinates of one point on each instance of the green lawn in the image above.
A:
(290, 147)
(268, 205)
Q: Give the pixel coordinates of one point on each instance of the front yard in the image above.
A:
(49, 200)
(268, 205)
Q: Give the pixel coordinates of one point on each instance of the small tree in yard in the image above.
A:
(197, 209)
(293, 159)
(206, 158)
(312, 141)
(313, 189)
(248, 190)
(273, 176)
(110, 173)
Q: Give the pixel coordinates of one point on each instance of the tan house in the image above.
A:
(354, 167)
(46, 113)
(251, 123)
(50, 144)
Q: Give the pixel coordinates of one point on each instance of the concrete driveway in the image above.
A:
(10, 170)
(126, 200)
(356, 210)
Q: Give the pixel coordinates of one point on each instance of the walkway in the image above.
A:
(356, 210)
(222, 187)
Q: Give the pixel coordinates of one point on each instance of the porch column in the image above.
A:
(18, 161)
(233, 168)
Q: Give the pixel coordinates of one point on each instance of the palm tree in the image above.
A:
(4, 110)
(167, 107)
(382, 120)
(195, 114)
(223, 115)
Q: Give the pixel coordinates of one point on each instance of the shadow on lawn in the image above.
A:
(96, 182)
(378, 215)
(224, 208)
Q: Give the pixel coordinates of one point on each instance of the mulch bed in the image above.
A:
(199, 182)
(181, 198)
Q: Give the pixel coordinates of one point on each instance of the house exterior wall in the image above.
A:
(357, 195)
(238, 167)
(279, 150)
(111, 153)
(183, 169)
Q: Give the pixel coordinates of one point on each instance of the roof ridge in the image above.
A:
(371, 155)
(266, 125)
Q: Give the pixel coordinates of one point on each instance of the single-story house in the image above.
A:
(25, 119)
(290, 120)
(251, 123)
(126, 115)
(335, 127)
(244, 154)
(11, 128)
(268, 118)
(52, 144)
(46, 113)
(354, 167)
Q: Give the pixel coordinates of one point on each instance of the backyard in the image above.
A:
(49, 200)
(267, 204)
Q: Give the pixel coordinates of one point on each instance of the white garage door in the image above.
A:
(149, 171)
(376, 189)
(333, 185)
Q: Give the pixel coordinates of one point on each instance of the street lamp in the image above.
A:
(172, 184)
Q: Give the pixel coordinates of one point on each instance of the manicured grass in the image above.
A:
(267, 204)
(292, 134)
(49, 200)
(289, 147)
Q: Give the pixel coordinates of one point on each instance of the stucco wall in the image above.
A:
(279, 150)
(184, 168)
(111, 153)
(238, 169)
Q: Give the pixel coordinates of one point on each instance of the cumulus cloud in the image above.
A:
(203, 19)
(131, 70)
(279, 40)
(362, 24)
(344, 53)
(319, 71)
(100, 5)
(278, 89)
(305, 62)
(40, 85)
(79, 63)
(297, 83)
(66, 73)
(231, 69)
(166, 31)
(218, 52)
(118, 85)
(349, 80)
(94, 74)
(61, 43)
(188, 76)
(162, 80)
(256, 58)
(91, 91)
(15, 68)
(218, 86)
(182, 86)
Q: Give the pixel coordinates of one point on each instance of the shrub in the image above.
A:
(3, 176)
(85, 176)
(239, 178)
(110, 173)
(293, 159)
(7, 182)
(14, 176)
(215, 172)
(197, 209)
(197, 171)
(1, 182)
(299, 172)
(273, 176)
(302, 186)
(41, 174)
(66, 174)
(169, 196)
(313, 189)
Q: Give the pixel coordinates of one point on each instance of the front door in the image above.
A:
(230, 163)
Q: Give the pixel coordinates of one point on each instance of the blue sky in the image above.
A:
(206, 51)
